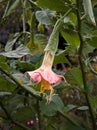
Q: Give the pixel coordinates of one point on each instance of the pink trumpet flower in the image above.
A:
(45, 75)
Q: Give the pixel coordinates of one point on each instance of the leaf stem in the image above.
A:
(82, 67)
(39, 97)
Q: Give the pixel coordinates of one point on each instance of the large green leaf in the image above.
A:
(45, 16)
(74, 76)
(71, 37)
(18, 53)
(53, 5)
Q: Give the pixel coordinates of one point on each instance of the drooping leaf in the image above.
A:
(18, 53)
(45, 16)
(11, 42)
(89, 11)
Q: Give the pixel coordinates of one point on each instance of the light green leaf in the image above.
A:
(83, 108)
(45, 16)
(89, 11)
(18, 53)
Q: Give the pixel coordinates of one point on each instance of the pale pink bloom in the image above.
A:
(45, 75)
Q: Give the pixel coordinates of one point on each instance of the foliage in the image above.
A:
(74, 104)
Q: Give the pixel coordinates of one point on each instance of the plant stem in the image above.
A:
(39, 97)
(68, 118)
(23, 19)
(82, 67)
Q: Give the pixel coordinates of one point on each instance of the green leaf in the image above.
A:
(59, 104)
(23, 114)
(4, 66)
(18, 53)
(39, 44)
(6, 85)
(71, 37)
(45, 16)
(53, 5)
(83, 108)
(60, 58)
(12, 40)
(24, 66)
(3, 94)
(89, 11)
(55, 105)
(74, 76)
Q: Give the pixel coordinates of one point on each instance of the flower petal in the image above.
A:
(35, 76)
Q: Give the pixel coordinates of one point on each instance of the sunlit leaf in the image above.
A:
(89, 11)
(45, 16)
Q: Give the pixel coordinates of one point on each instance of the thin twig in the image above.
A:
(20, 85)
(82, 67)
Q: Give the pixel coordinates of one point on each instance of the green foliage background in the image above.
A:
(74, 105)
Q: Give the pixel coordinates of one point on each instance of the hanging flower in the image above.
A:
(45, 75)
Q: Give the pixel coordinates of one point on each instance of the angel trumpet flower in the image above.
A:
(45, 75)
